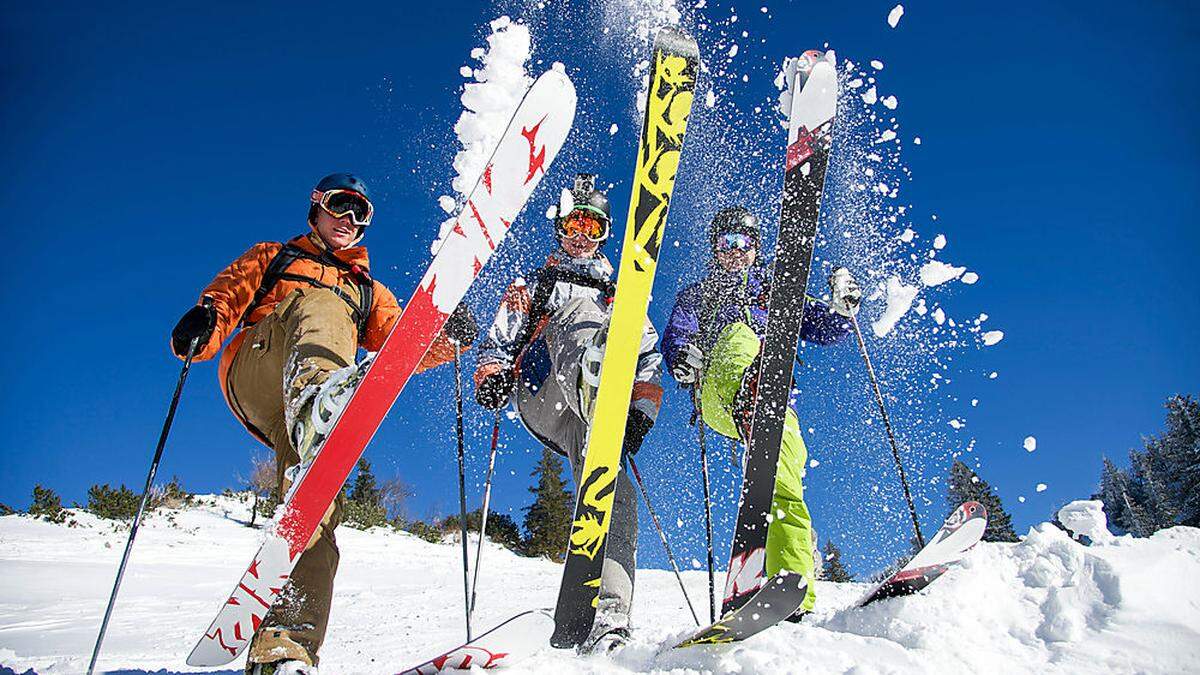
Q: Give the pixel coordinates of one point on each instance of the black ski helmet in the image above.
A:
(734, 219)
(338, 181)
(585, 196)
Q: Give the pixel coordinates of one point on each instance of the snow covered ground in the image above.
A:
(1047, 604)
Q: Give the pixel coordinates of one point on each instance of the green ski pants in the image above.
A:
(789, 538)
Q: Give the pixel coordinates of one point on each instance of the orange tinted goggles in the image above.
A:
(345, 204)
(581, 222)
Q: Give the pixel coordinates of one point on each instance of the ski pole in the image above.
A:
(887, 425)
(462, 483)
(487, 497)
(137, 519)
(661, 535)
(708, 530)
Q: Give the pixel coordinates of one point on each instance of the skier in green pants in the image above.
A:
(714, 336)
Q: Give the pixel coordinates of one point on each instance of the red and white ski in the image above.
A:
(534, 136)
(507, 643)
(961, 531)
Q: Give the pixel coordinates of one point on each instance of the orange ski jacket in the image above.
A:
(233, 291)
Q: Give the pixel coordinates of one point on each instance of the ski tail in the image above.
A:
(511, 641)
(778, 599)
(961, 531)
(674, 67)
(535, 134)
(813, 84)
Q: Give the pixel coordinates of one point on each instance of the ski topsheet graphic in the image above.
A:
(814, 88)
(532, 140)
(674, 65)
(511, 641)
(962, 530)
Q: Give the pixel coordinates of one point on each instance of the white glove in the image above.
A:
(687, 368)
(845, 292)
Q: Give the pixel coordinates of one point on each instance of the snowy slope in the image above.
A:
(1047, 604)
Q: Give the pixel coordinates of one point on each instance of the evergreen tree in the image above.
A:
(964, 486)
(364, 507)
(548, 518)
(365, 490)
(47, 504)
(834, 570)
(1122, 512)
(118, 503)
(1149, 489)
(1179, 449)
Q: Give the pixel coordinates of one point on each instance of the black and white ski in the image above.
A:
(814, 88)
(961, 531)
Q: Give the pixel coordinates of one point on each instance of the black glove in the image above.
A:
(495, 389)
(461, 327)
(197, 323)
(635, 430)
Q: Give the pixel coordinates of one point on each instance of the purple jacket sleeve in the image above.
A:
(683, 326)
(822, 325)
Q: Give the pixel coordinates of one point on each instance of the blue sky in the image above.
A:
(143, 150)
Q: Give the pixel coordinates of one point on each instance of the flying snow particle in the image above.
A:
(870, 96)
(970, 278)
(899, 300)
(710, 99)
(814, 463)
(907, 235)
(936, 272)
(1041, 487)
(1021, 499)
(993, 375)
(974, 403)
(612, 131)
(939, 242)
(939, 316)
(889, 102)
(886, 136)
(992, 337)
(466, 71)
(877, 64)
(447, 203)
(894, 15)
(1030, 444)
(733, 51)
(916, 140)
(957, 423)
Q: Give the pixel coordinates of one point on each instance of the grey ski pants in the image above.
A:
(551, 412)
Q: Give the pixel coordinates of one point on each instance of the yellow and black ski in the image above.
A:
(674, 66)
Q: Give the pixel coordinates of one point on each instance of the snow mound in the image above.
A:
(1046, 604)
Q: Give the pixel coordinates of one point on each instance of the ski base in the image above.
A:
(962, 530)
(779, 598)
(511, 641)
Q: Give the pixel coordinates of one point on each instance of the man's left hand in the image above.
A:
(636, 428)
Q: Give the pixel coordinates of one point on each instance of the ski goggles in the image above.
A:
(735, 241)
(345, 204)
(583, 221)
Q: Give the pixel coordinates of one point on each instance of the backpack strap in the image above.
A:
(290, 253)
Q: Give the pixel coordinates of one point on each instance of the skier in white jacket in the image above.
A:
(543, 353)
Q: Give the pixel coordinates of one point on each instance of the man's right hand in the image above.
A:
(495, 387)
(197, 323)
(688, 366)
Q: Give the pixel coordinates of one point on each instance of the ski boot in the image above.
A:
(316, 410)
(607, 642)
(292, 667)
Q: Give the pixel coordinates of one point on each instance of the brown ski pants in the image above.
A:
(309, 335)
